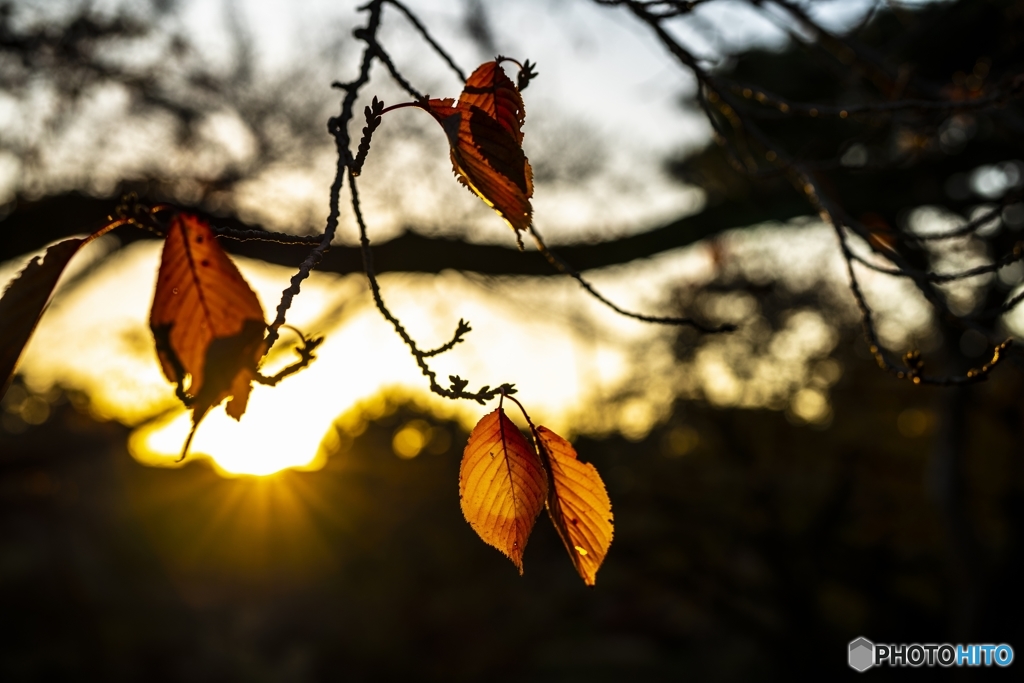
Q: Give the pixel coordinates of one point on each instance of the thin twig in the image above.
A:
(461, 331)
(565, 268)
(1006, 307)
(912, 366)
(265, 236)
(383, 56)
(373, 119)
(433, 43)
(305, 351)
(338, 127)
(814, 110)
(970, 227)
(804, 182)
(939, 278)
(456, 390)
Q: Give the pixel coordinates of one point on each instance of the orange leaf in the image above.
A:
(492, 91)
(24, 301)
(502, 485)
(207, 322)
(578, 505)
(484, 132)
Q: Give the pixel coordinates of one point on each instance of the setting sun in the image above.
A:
(105, 351)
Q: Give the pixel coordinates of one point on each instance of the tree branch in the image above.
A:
(33, 225)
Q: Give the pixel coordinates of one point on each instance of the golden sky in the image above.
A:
(568, 356)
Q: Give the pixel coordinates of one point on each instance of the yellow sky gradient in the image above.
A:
(95, 338)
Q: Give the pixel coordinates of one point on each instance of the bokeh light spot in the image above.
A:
(914, 422)
(411, 439)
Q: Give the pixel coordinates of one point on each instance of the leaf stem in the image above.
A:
(521, 409)
(402, 105)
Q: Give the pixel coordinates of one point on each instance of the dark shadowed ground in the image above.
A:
(755, 551)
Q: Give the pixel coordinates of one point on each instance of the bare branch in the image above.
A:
(426, 36)
(305, 351)
(458, 385)
(265, 236)
(719, 92)
(566, 269)
(339, 128)
(1016, 255)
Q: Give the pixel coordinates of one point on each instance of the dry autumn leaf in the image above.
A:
(207, 322)
(24, 301)
(502, 485)
(578, 505)
(489, 89)
(484, 131)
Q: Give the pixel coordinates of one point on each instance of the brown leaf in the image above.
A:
(578, 505)
(502, 485)
(881, 236)
(492, 91)
(24, 301)
(207, 322)
(485, 134)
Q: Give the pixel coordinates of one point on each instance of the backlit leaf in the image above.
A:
(484, 131)
(502, 485)
(489, 89)
(578, 505)
(24, 301)
(207, 322)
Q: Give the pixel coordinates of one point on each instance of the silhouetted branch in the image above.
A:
(305, 351)
(981, 221)
(352, 166)
(347, 166)
(913, 365)
(338, 127)
(1016, 255)
(739, 127)
(844, 49)
(373, 118)
(265, 236)
(461, 331)
(814, 110)
(433, 43)
(383, 56)
(661, 9)
(458, 385)
(720, 93)
(34, 225)
(1007, 306)
(566, 269)
(836, 217)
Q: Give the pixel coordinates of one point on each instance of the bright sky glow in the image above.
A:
(565, 353)
(95, 338)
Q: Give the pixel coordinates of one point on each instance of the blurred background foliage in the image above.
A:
(746, 546)
(786, 503)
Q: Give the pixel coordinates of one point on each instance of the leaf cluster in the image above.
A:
(505, 481)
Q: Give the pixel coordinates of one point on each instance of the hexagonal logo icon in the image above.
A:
(862, 654)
